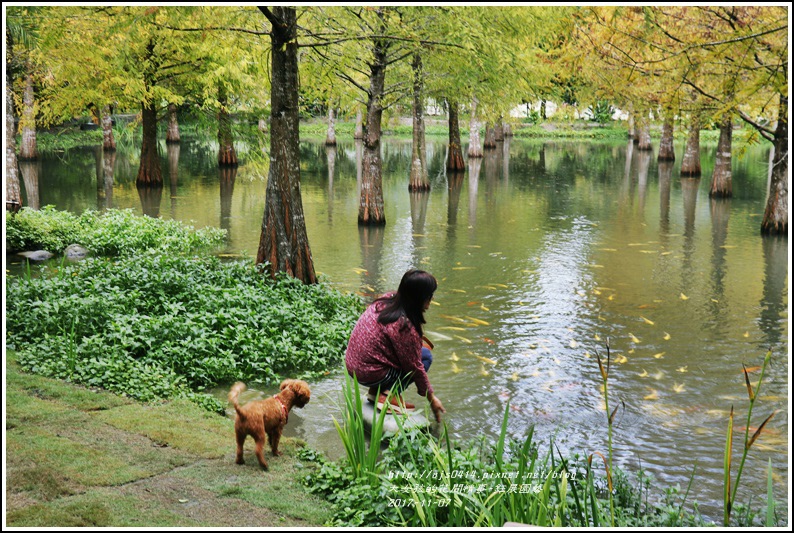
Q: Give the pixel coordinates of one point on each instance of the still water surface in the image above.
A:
(544, 250)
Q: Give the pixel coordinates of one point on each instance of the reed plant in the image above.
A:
(730, 488)
(362, 457)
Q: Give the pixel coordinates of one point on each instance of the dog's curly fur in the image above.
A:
(266, 417)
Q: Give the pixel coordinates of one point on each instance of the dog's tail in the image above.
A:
(237, 388)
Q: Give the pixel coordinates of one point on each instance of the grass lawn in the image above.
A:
(81, 457)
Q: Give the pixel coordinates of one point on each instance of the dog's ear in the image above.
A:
(286, 383)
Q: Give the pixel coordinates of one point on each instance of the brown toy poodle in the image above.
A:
(266, 417)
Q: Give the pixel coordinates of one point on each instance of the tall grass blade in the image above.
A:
(727, 472)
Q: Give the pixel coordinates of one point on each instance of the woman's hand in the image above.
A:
(436, 406)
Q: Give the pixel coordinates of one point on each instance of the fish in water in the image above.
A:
(678, 388)
(682, 369)
(634, 339)
(643, 374)
(439, 336)
(452, 328)
(659, 355)
(653, 395)
(666, 336)
(573, 344)
(621, 359)
(485, 360)
(478, 321)
(454, 357)
(514, 376)
(455, 368)
(649, 322)
(464, 339)
(484, 372)
(684, 296)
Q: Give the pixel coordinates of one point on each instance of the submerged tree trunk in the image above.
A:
(359, 132)
(632, 131)
(455, 159)
(721, 186)
(690, 166)
(370, 207)
(419, 177)
(666, 151)
(28, 149)
(227, 156)
(149, 172)
(283, 243)
(13, 195)
(475, 149)
(108, 141)
(644, 134)
(490, 137)
(775, 220)
(330, 136)
(499, 131)
(172, 136)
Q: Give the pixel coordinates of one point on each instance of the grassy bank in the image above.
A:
(68, 137)
(85, 457)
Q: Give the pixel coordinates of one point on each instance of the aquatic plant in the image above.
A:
(155, 326)
(111, 232)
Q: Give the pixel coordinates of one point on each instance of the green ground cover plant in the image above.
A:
(144, 319)
(112, 232)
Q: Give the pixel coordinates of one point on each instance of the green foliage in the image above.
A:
(154, 326)
(602, 112)
(112, 232)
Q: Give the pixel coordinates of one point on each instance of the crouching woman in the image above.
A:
(387, 352)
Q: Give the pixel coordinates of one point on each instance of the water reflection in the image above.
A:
(689, 192)
(151, 198)
(665, 179)
(108, 172)
(226, 177)
(330, 157)
(371, 242)
(474, 179)
(773, 299)
(173, 149)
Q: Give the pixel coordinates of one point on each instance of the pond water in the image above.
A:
(543, 251)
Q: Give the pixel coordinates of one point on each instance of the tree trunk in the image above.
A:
(359, 132)
(227, 157)
(632, 130)
(330, 136)
(543, 110)
(776, 214)
(690, 166)
(283, 243)
(27, 148)
(13, 195)
(490, 137)
(149, 173)
(455, 159)
(475, 149)
(370, 208)
(499, 131)
(173, 125)
(666, 150)
(418, 180)
(507, 129)
(721, 186)
(30, 177)
(644, 134)
(108, 141)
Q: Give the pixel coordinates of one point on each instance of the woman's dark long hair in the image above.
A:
(416, 288)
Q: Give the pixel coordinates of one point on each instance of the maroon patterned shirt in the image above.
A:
(374, 347)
